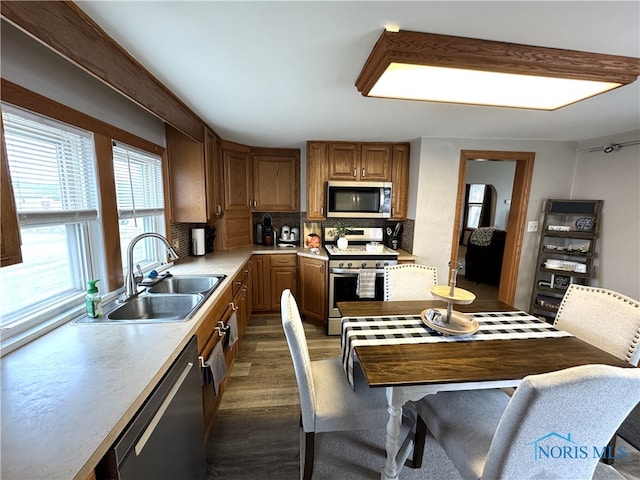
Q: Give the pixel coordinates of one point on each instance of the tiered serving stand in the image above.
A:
(449, 321)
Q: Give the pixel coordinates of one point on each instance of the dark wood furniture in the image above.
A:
(410, 372)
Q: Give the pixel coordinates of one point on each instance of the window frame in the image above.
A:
(104, 135)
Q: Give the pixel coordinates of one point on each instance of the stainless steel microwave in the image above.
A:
(359, 199)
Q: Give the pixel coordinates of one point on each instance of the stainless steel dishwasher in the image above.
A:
(165, 440)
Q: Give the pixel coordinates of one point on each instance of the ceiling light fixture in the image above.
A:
(441, 68)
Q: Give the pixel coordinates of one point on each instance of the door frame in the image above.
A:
(517, 213)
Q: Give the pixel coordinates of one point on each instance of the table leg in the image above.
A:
(390, 471)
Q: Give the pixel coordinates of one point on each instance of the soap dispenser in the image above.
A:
(93, 300)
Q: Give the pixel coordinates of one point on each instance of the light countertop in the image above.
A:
(68, 395)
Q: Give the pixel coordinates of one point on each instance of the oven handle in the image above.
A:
(355, 271)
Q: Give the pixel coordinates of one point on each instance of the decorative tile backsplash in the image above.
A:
(182, 231)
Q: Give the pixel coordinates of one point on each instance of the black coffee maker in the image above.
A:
(267, 230)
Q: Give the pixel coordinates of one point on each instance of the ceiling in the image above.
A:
(280, 73)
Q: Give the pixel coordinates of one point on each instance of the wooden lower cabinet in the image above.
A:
(242, 291)
(208, 337)
(273, 273)
(312, 281)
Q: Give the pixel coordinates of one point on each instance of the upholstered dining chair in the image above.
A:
(409, 282)
(328, 403)
(554, 426)
(611, 322)
(604, 318)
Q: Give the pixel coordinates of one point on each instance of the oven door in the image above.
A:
(342, 288)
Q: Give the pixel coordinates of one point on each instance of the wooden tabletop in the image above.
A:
(469, 361)
(414, 307)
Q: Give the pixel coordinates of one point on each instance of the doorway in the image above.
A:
(517, 213)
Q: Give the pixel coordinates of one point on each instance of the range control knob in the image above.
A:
(349, 265)
(377, 264)
(341, 264)
(364, 264)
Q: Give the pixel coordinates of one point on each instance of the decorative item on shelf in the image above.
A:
(584, 224)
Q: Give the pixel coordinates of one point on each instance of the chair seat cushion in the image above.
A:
(447, 414)
(340, 407)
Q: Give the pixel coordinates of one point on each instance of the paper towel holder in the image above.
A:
(198, 247)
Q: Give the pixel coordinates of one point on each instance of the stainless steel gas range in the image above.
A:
(365, 252)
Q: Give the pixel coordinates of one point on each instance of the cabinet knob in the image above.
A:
(355, 172)
(363, 174)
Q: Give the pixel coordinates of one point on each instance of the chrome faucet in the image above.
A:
(131, 283)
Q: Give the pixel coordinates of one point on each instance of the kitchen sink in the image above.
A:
(157, 308)
(172, 299)
(202, 284)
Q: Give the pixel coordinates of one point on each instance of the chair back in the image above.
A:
(603, 318)
(297, 341)
(557, 424)
(409, 282)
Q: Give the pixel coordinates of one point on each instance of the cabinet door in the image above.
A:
(375, 164)
(187, 178)
(261, 283)
(214, 177)
(237, 178)
(344, 161)
(276, 180)
(283, 275)
(10, 238)
(281, 279)
(317, 153)
(313, 289)
(400, 179)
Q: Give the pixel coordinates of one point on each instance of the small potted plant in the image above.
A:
(340, 229)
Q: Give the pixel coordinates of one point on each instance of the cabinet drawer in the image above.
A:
(240, 279)
(288, 260)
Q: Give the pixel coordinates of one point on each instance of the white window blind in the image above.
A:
(52, 169)
(140, 199)
(138, 177)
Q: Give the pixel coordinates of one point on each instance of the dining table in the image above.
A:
(397, 351)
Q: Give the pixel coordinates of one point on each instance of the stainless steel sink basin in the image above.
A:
(157, 308)
(173, 299)
(202, 284)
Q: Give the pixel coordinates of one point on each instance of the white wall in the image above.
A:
(29, 64)
(500, 175)
(435, 200)
(614, 178)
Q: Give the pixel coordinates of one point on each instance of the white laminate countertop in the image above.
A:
(68, 395)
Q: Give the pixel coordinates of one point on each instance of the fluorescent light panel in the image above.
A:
(453, 85)
(421, 66)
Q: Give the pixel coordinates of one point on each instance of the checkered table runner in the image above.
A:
(393, 330)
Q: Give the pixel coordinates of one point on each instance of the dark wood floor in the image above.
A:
(256, 432)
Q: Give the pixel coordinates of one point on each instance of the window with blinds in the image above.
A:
(53, 174)
(140, 199)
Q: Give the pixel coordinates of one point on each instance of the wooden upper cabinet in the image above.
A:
(400, 179)
(237, 176)
(343, 161)
(317, 154)
(214, 175)
(380, 162)
(375, 162)
(276, 179)
(10, 238)
(187, 178)
(359, 161)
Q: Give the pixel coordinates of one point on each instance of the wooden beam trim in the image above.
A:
(22, 97)
(68, 31)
